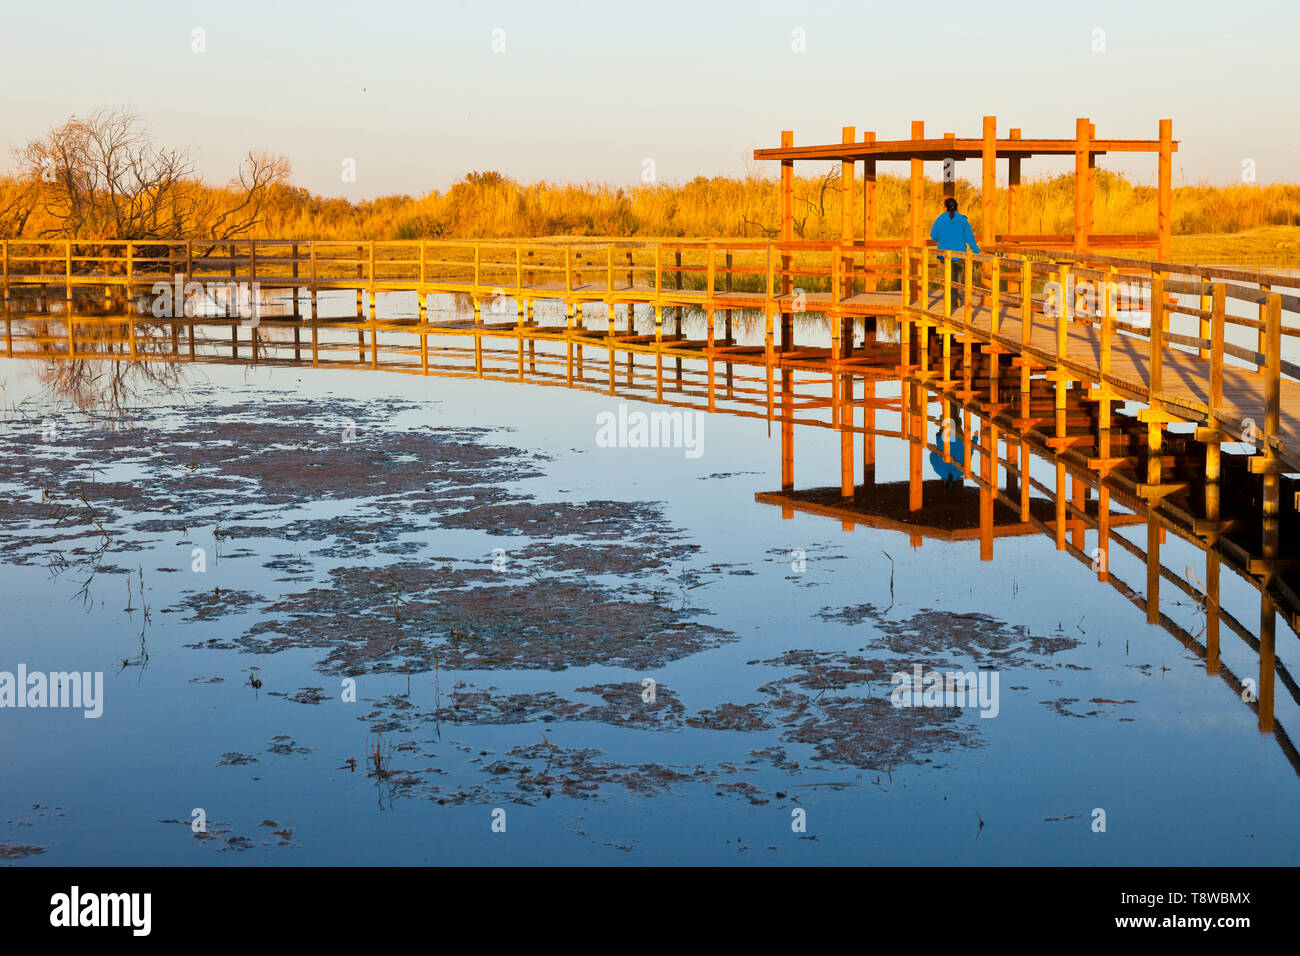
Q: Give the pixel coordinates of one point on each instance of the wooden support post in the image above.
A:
(947, 320)
(968, 280)
(1155, 428)
(1082, 183)
(989, 182)
(1272, 408)
(769, 319)
(67, 276)
(128, 300)
(868, 218)
(360, 287)
(1064, 315)
(787, 236)
(1164, 196)
(904, 315)
(923, 321)
(1213, 448)
(917, 189)
(727, 331)
(848, 135)
(949, 168)
(659, 354)
(297, 308)
(422, 293)
(1026, 307)
(1013, 187)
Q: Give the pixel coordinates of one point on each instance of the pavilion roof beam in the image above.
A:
(958, 149)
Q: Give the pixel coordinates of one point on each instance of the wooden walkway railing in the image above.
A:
(1111, 325)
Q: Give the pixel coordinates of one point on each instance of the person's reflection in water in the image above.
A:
(950, 471)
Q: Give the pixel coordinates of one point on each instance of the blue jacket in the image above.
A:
(953, 234)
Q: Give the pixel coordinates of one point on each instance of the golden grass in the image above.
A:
(1240, 220)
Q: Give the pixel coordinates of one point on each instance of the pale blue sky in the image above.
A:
(588, 90)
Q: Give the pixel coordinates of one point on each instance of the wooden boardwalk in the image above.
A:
(1217, 364)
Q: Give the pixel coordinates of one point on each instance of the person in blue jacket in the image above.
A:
(952, 233)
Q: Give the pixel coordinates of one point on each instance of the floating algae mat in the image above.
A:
(384, 619)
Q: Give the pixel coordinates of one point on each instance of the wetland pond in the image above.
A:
(349, 618)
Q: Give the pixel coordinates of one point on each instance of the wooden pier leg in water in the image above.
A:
(1102, 558)
(631, 330)
(1212, 561)
(1153, 570)
(1267, 626)
(360, 288)
(868, 431)
(728, 338)
(361, 316)
(659, 355)
(711, 368)
(916, 448)
(846, 436)
(424, 335)
(1079, 499)
(374, 329)
(1271, 503)
(532, 343)
(315, 330)
(787, 430)
(1059, 495)
(519, 333)
(297, 307)
(988, 486)
(568, 343)
(966, 445)
(234, 340)
(1267, 658)
(478, 338)
(1024, 479)
(1155, 427)
(610, 339)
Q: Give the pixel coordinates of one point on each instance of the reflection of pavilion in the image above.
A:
(949, 512)
(1095, 460)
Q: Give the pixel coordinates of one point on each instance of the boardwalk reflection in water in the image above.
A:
(1084, 510)
(1065, 498)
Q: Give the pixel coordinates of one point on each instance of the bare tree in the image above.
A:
(103, 177)
(18, 199)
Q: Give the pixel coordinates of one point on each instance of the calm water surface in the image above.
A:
(500, 588)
